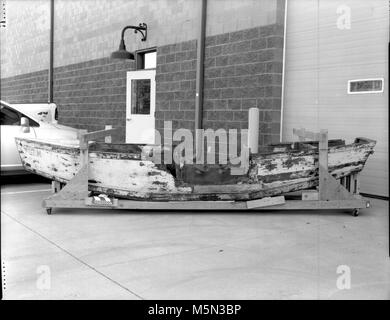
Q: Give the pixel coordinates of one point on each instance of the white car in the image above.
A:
(41, 123)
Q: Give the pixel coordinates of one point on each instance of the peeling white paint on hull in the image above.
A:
(122, 171)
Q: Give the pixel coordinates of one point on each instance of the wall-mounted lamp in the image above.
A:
(122, 53)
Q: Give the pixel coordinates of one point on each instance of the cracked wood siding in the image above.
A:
(127, 171)
(127, 175)
(300, 168)
(132, 178)
(56, 162)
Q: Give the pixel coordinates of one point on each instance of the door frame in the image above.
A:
(139, 75)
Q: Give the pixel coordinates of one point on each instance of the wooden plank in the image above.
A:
(322, 204)
(55, 186)
(357, 178)
(214, 205)
(108, 139)
(75, 189)
(228, 188)
(81, 132)
(84, 156)
(200, 205)
(244, 167)
(181, 205)
(61, 203)
(323, 164)
(98, 134)
(348, 183)
(309, 195)
(153, 205)
(333, 190)
(303, 134)
(352, 184)
(265, 202)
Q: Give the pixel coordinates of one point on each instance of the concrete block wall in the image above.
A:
(25, 40)
(89, 94)
(93, 94)
(243, 62)
(175, 85)
(90, 29)
(25, 88)
(87, 30)
(243, 69)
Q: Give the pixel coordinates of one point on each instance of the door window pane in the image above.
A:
(150, 60)
(140, 96)
(146, 59)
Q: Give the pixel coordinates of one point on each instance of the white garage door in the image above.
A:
(328, 43)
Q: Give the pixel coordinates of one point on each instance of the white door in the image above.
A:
(140, 107)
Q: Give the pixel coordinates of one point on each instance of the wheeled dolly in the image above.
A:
(331, 193)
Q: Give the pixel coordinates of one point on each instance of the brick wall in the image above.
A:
(243, 69)
(88, 30)
(92, 94)
(175, 85)
(25, 39)
(25, 88)
(89, 95)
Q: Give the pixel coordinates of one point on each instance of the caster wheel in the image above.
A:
(48, 210)
(355, 212)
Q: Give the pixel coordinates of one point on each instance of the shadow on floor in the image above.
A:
(22, 179)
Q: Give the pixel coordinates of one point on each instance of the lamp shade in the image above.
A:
(122, 53)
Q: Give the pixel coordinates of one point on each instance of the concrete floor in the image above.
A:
(95, 254)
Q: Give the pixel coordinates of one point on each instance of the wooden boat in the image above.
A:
(129, 171)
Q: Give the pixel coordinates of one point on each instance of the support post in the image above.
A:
(357, 183)
(51, 53)
(323, 163)
(55, 186)
(76, 189)
(83, 151)
(200, 81)
(108, 139)
(84, 156)
(253, 130)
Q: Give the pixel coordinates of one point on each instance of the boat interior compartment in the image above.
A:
(297, 146)
(271, 148)
(136, 150)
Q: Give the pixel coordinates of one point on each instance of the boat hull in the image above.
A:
(126, 171)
